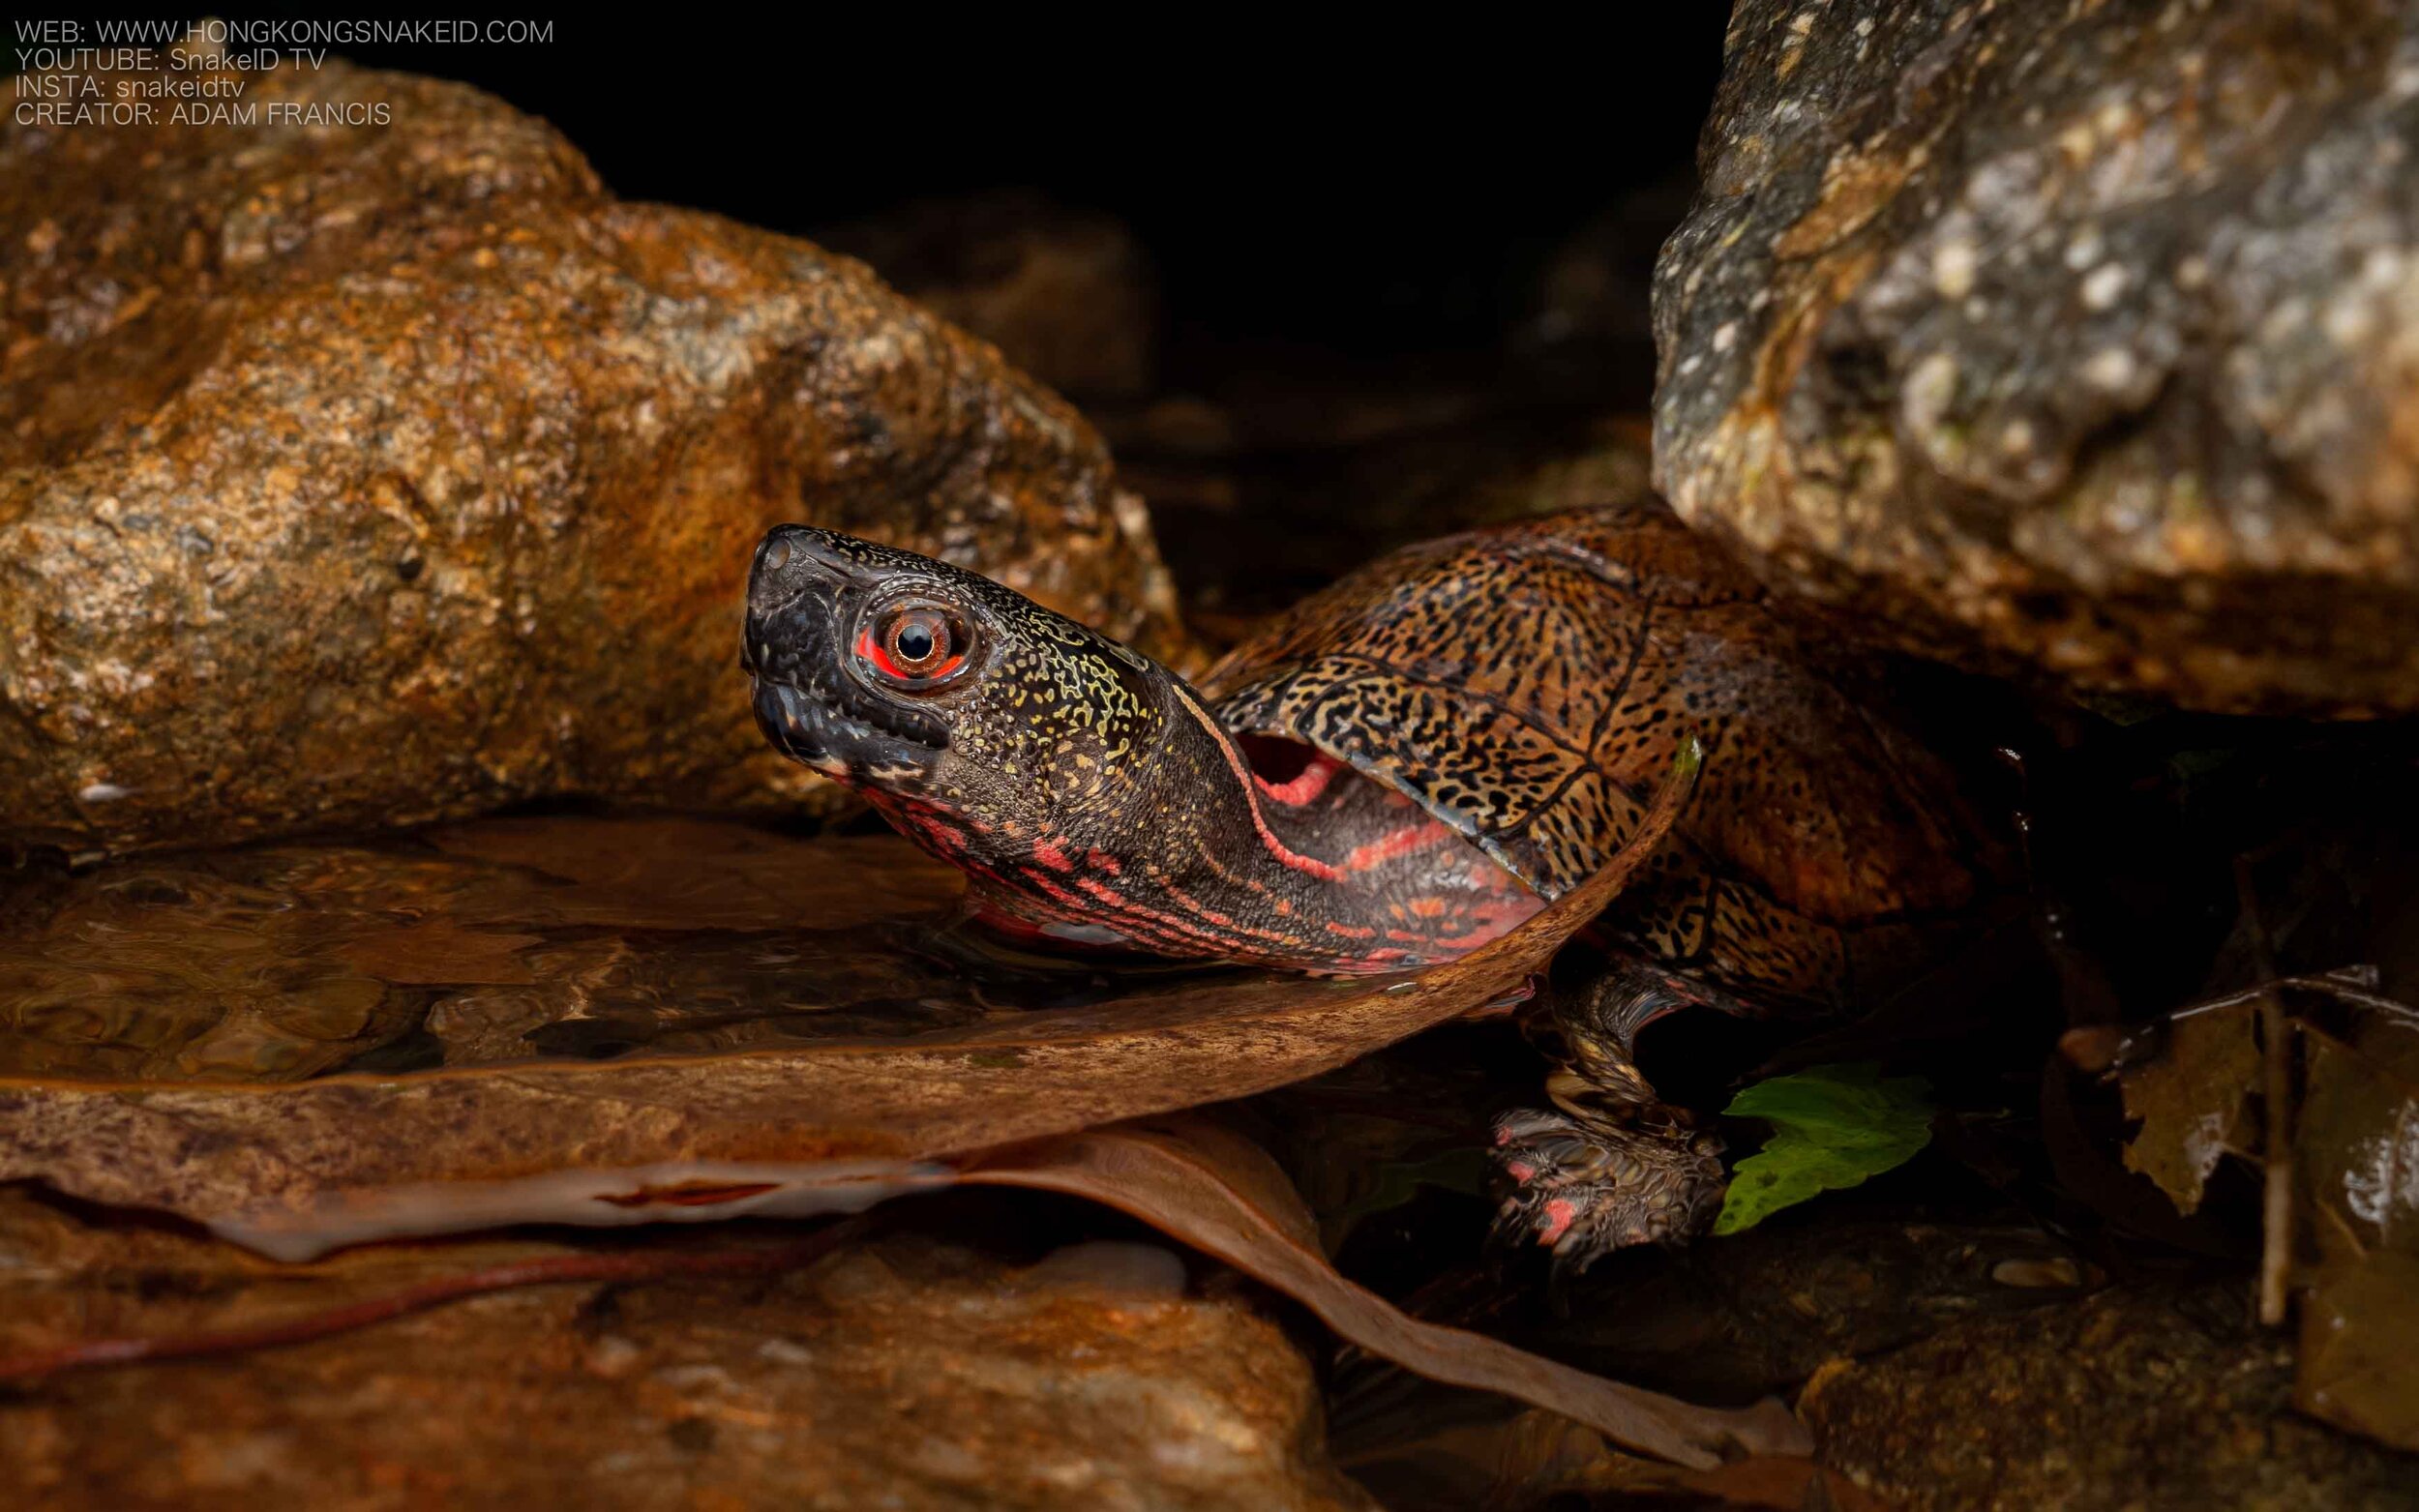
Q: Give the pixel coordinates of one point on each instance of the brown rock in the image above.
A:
(1067, 295)
(906, 1371)
(2085, 340)
(362, 475)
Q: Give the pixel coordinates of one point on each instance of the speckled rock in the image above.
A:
(906, 1371)
(2080, 336)
(362, 475)
(2131, 1399)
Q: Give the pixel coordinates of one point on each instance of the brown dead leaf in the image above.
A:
(1536, 1457)
(2355, 1187)
(297, 1169)
(1782, 1484)
(2190, 1100)
(2357, 1177)
(670, 872)
(1221, 1194)
(2359, 1332)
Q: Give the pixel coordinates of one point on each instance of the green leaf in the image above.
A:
(1832, 1126)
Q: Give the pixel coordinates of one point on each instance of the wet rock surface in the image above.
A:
(904, 1371)
(356, 477)
(2079, 340)
(2140, 1398)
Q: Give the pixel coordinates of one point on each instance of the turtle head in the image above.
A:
(1095, 799)
(910, 679)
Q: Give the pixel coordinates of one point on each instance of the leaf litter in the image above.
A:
(295, 1169)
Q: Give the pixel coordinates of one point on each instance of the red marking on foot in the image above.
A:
(1560, 1214)
(1350, 932)
(1102, 862)
(1051, 856)
(1521, 1169)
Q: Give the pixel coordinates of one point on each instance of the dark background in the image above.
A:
(1396, 185)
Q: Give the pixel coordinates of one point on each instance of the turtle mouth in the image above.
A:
(808, 705)
(836, 742)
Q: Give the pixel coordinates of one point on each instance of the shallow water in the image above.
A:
(578, 937)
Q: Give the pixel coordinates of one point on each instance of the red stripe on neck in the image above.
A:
(1401, 843)
(1303, 785)
(1308, 866)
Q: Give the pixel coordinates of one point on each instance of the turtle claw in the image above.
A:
(1585, 1189)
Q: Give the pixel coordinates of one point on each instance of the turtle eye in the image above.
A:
(914, 646)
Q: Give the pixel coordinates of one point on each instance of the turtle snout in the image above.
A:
(790, 560)
(791, 595)
(800, 591)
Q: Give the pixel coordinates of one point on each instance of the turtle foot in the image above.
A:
(1585, 1189)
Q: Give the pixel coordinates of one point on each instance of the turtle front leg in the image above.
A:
(1615, 1165)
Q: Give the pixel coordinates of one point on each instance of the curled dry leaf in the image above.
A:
(296, 1169)
(1539, 1459)
(1221, 1194)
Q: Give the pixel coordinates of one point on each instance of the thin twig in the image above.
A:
(554, 1269)
(2331, 985)
(2276, 1217)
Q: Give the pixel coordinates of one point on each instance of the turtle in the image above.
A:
(1398, 770)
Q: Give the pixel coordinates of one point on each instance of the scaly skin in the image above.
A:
(1400, 770)
(1089, 790)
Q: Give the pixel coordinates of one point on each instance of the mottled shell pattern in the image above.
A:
(1530, 684)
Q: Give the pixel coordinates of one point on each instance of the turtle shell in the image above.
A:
(1530, 684)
